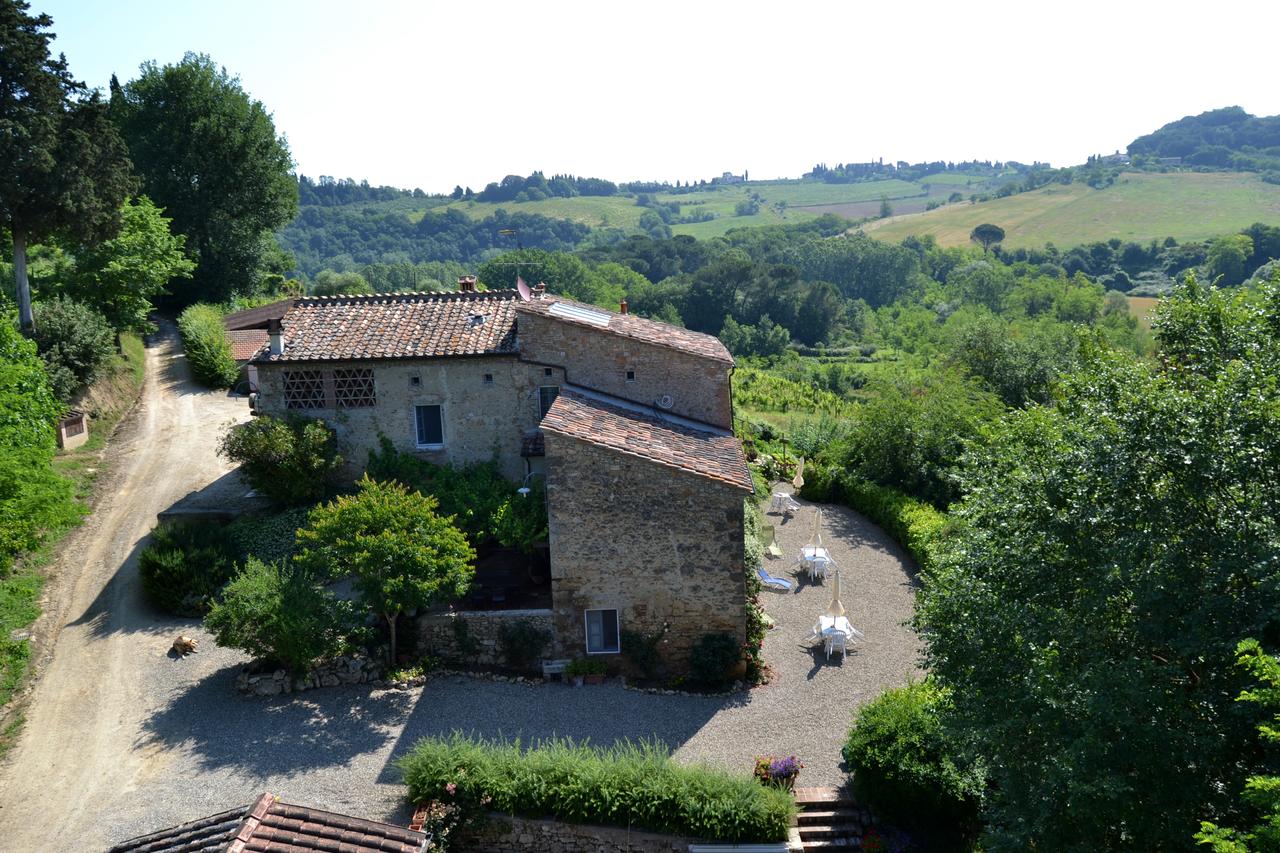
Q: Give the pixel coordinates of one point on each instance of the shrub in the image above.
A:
(277, 612)
(473, 494)
(75, 342)
(714, 658)
(634, 785)
(204, 339)
(905, 766)
(290, 461)
(268, 537)
(33, 498)
(522, 643)
(642, 650)
(184, 566)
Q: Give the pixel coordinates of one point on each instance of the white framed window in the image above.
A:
(429, 424)
(602, 632)
(546, 396)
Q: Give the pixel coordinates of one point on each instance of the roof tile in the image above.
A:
(398, 325)
(637, 328)
(713, 454)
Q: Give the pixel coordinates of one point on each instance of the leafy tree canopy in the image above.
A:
(399, 552)
(1109, 556)
(209, 155)
(63, 168)
(986, 235)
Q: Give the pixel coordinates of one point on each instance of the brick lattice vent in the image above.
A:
(829, 819)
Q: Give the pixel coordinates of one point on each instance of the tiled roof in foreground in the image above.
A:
(270, 826)
(631, 326)
(398, 325)
(637, 431)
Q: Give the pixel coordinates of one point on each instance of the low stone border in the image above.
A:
(330, 673)
(534, 681)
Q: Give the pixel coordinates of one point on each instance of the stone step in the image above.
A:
(831, 831)
(829, 816)
(832, 844)
(806, 796)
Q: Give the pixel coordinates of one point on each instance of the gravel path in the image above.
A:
(122, 739)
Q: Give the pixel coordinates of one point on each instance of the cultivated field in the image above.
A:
(1141, 307)
(1139, 206)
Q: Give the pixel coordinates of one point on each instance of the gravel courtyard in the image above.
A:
(122, 739)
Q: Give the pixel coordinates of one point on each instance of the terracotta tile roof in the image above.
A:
(256, 318)
(245, 343)
(398, 325)
(270, 826)
(637, 328)
(666, 440)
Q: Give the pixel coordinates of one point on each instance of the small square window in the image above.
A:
(602, 632)
(631, 376)
(430, 427)
(488, 379)
(546, 371)
(415, 381)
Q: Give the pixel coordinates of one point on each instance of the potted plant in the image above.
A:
(576, 671)
(779, 772)
(595, 670)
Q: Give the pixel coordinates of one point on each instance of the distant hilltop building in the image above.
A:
(731, 178)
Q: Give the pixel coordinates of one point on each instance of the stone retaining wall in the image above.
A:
(506, 834)
(439, 635)
(330, 673)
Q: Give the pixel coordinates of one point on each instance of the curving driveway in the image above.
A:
(122, 739)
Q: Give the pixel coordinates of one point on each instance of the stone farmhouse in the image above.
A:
(628, 420)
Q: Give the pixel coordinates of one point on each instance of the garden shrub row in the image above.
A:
(914, 524)
(634, 785)
(208, 349)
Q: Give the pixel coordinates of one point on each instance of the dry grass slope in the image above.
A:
(1140, 206)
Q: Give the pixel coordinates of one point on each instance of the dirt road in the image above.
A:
(78, 750)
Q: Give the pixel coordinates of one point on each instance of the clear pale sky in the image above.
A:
(428, 94)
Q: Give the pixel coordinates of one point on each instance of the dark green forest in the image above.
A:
(1226, 138)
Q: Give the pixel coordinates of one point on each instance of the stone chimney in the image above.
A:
(539, 290)
(467, 284)
(623, 307)
(275, 337)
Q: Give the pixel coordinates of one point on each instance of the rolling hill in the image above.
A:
(1140, 206)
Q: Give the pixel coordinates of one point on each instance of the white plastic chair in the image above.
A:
(835, 643)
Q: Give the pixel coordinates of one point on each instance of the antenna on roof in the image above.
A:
(526, 295)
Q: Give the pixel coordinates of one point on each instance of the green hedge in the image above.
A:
(906, 767)
(631, 785)
(208, 350)
(915, 525)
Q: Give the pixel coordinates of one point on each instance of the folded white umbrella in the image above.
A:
(835, 609)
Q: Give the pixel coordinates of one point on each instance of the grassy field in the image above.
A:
(1139, 207)
(781, 201)
(1141, 307)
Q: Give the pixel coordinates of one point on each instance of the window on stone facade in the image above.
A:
(631, 376)
(488, 379)
(430, 426)
(602, 632)
(353, 388)
(546, 371)
(546, 396)
(304, 389)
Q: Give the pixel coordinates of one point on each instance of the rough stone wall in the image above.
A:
(658, 544)
(439, 636)
(596, 359)
(506, 834)
(479, 418)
